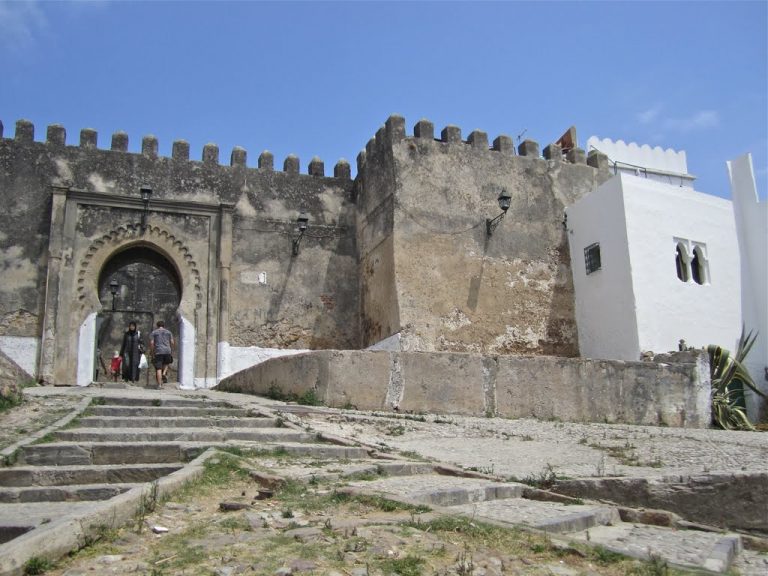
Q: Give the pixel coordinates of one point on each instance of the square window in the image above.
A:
(592, 257)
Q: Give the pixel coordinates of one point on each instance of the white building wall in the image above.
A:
(23, 350)
(667, 309)
(234, 359)
(605, 309)
(752, 227)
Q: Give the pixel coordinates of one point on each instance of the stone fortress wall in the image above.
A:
(306, 301)
(429, 270)
(397, 258)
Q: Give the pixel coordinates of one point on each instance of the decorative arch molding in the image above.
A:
(128, 236)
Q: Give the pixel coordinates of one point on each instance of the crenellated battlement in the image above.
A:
(56, 136)
(394, 131)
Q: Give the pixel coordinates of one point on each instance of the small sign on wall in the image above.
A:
(253, 277)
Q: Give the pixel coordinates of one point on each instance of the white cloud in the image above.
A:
(654, 119)
(700, 120)
(19, 23)
(648, 116)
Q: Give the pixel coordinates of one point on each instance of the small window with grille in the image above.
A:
(592, 257)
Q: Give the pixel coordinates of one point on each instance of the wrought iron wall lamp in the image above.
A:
(504, 201)
(114, 287)
(301, 222)
(146, 195)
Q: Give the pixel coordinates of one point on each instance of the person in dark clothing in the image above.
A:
(131, 352)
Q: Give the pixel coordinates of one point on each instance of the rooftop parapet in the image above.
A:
(56, 136)
(653, 159)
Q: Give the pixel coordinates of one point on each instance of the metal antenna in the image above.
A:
(520, 136)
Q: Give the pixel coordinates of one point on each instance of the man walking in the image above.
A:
(161, 345)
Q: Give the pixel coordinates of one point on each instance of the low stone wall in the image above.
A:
(571, 389)
(737, 501)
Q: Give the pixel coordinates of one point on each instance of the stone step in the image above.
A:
(501, 501)
(33, 514)
(696, 549)
(552, 517)
(25, 476)
(88, 453)
(184, 435)
(442, 490)
(68, 493)
(593, 523)
(164, 411)
(163, 402)
(177, 422)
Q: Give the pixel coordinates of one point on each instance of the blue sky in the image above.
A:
(319, 78)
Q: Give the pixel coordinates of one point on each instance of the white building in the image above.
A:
(752, 229)
(655, 262)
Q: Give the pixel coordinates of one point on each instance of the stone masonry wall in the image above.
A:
(578, 390)
(308, 301)
(456, 288)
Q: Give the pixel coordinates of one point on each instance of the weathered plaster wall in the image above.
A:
(24, 225)
(456, 289)
(509, 386)
(307, 301)
(220, 226)
(375, 193)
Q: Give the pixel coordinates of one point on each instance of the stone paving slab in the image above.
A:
(708, 550)
(211, 434)
(39, 513)
(161, 411)
(443, 490)
(113, 422)
(168, 402)
(68, 493)
(547, 516)
(19, 476)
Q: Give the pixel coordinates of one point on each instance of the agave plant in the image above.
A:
(729, 376)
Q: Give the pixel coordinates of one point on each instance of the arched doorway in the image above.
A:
(139, 285)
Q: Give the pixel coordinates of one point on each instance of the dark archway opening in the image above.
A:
(148, 289)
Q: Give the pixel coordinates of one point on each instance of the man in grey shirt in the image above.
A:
(161, 346)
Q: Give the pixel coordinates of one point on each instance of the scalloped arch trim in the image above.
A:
(127, 236)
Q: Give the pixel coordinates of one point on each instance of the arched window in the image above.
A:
(681, 262)
(698, 266)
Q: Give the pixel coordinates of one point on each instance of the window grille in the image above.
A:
(592, 257)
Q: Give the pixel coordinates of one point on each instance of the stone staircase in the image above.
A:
(448, 491)
(56, 490)
(97, 468)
